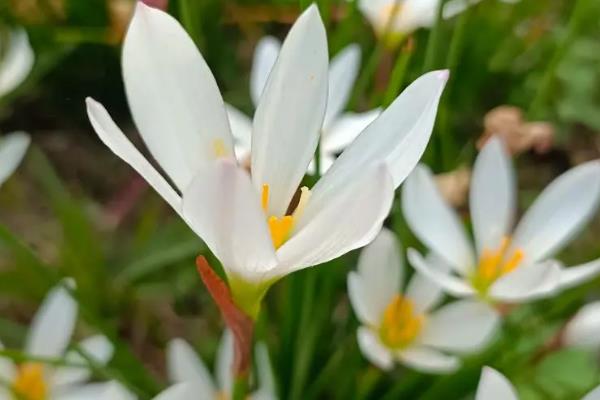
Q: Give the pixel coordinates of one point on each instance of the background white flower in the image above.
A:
(583, 330)
(411, 14)
(507, 265)
(339, 128)
(116, 391)
(17, 62)
(184, 365)
(49, 336)
(244, 220)
(494, 386)
(12, 150)
(404, 325)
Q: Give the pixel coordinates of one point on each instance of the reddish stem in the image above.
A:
(240, 324)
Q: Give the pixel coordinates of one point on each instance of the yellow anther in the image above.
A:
(264, 198)
(219, 148)
(495, 263)
(280, 229)
(29, 383)
(400, 324)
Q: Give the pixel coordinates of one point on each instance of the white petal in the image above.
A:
(573, 276)
(342, 74)
(494, 386)
(173, 96)
(98, 347)
(52, 325)
(12, 150)
(450, 283)
(492, 196)
(94, 391)
(16, 62)
(224, 363)
(222, 207)
(265, 55)
(345, 129)
(428, 360)
(423, 292)
(398, 137)
(264, 372)
(559, 213)
(378, 278)
(373, 349)
(528, 282)
(351, 220)
(460, 326)
(184, 365)
(593, 395)
(288, 119)
(116, 140)
(582, 330)
(241, 128)
(180, 391)
(7, 368)
(433, 221)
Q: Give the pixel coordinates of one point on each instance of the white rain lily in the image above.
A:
(339, 128)
(494, 386)
(184, 365)
(583, 330)
(407, 325)
(410, 15)
(16, 61)
(12, 150)
(49, 336)
(115, 391)
(505, 265)
(248, 222)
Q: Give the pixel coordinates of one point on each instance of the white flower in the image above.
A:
(506, 265)
(49, 335)
(339, 128)
(584, 328)
(494, 386)
(184, 365)
(115, 391)
(16, 62)
(12, 150)
(404, 325)
(411, 14)
(246, 221)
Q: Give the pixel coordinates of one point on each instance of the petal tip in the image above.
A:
(443, 75)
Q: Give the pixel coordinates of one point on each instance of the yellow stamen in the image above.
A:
(400, 324)
(265, 197)
(495, 263)
(219, 148)
(280, 229)
(29, 383)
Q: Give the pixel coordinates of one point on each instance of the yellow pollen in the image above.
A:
(29, 383)
(219, 148)
(400, 324)
(495, 263)
(281, 227)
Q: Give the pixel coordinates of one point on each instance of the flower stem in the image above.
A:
(240, 388)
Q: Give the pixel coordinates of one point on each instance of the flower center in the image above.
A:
(219, 148)
(401, 324)
(495, 263)
(281, 227)
(29, 383)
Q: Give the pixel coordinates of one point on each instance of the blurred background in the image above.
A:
(528, 70)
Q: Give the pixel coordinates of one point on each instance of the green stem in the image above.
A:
(541, 98)
(432, 42)
(398, 74)
(240, 388)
